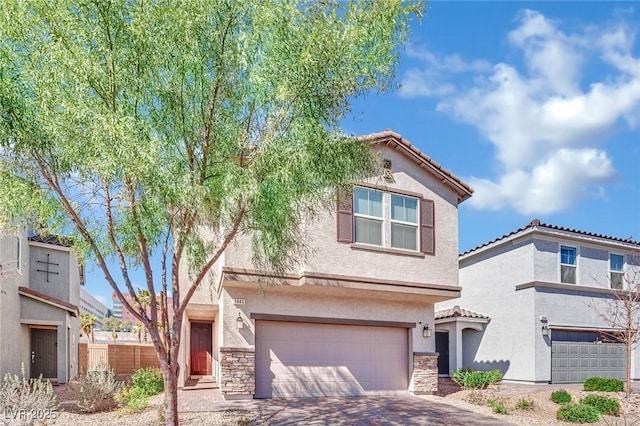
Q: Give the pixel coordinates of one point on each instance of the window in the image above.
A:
(616, 271)
(568, 264)
(368, 216)
(404, 222)
(389, 220)
(18, 252)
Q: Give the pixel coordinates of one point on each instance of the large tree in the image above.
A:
(134, 125)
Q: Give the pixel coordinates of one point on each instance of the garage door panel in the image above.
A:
(308, 359)
(573, 362)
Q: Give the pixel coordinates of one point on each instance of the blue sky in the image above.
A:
(535, 104)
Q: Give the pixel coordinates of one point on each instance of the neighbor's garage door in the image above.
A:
(306, 359)
(575, 357)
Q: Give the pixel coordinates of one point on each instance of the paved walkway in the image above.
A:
(399, 410)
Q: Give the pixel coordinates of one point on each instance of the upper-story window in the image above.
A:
(368, 216)
(404, 222)
(568, 263)
(18, 252)
(388, 220)
(616, 271)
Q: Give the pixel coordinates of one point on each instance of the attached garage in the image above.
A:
(305, 359)
(575, 357)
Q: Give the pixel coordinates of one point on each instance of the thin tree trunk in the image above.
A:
(628, 387)
(170, 375)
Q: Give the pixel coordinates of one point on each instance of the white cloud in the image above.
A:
(546, 121)
(101, 299)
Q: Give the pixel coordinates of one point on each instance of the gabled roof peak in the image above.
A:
(395, 140)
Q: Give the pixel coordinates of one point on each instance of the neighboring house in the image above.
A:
(357, 317)
(88, 304)
(39, 286)
(530, 302)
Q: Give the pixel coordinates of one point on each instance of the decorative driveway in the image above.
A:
(399, 410)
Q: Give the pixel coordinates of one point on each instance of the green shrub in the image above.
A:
(603, 384)
(560, 396)
(26, 394)
(525, 404)
(149, 380)
(606, 405)
(95, 390)
(498, 407)
(469, 379)
(578, 413)
(132, 399)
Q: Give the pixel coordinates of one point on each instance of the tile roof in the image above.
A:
(389, 137)
(535, 223)
(457, 311)
(50, 239)
(25, 291)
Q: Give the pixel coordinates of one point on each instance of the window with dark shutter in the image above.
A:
(427, 228)
(345, 216)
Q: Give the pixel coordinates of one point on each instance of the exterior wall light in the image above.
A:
(239, 321)
(546, 331)
(426, 331)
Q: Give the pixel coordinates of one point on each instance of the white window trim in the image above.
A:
(574, 265)
(366, 216)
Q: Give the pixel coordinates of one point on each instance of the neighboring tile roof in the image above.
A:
(50, 239)
(390, 137)
(457, 311)
(536, 223)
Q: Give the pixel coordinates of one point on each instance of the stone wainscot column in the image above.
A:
(237, 373)
(424, 380)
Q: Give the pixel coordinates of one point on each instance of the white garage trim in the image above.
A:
(305, 359)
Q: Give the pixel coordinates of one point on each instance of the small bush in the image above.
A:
(469, 379)
(95, 391)
(498, 407)
(132, 399)
(476, 397)
(525, 404)
(149, 380)
(608, 406)
(560, 396)
(603, 384)
(578, 413)
(28, 394)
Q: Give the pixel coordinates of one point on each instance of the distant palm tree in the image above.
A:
(145, 300)
(137, 329)
(87, 323)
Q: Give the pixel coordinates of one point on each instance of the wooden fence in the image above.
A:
(123, 359)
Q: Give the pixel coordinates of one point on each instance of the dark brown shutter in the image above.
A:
(345, 216)
(427, 227)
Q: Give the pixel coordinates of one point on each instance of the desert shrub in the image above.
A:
(606, 405)
(476, 398)
(132, 399)
(149, 380)
(473, 379)
(497, 406)
(560, 396)
(603, 384)
(95, 390)
(525, 404)
(578, 413)
(26, 394)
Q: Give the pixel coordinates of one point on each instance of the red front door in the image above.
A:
(201, 349)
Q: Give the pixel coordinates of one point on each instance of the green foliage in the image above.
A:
(148, 380)
(95, 390)
(560, 396)
(26, 394)
(603, 384)
(497, 406)
(606, 405)
(578, 413)
(111, 324)
(470, 379)
(132, 399)
(524, 404)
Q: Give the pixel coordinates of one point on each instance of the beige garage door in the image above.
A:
(306, 359)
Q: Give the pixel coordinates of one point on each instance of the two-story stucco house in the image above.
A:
(530, 302)
(39, 286)
(357, 317)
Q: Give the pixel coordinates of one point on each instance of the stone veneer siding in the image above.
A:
(425, 373)
(237, 372)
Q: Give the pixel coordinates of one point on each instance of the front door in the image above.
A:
(442, 347)
(201, 349)
(44, 353)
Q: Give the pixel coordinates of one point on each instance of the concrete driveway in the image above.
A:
(400, 410)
